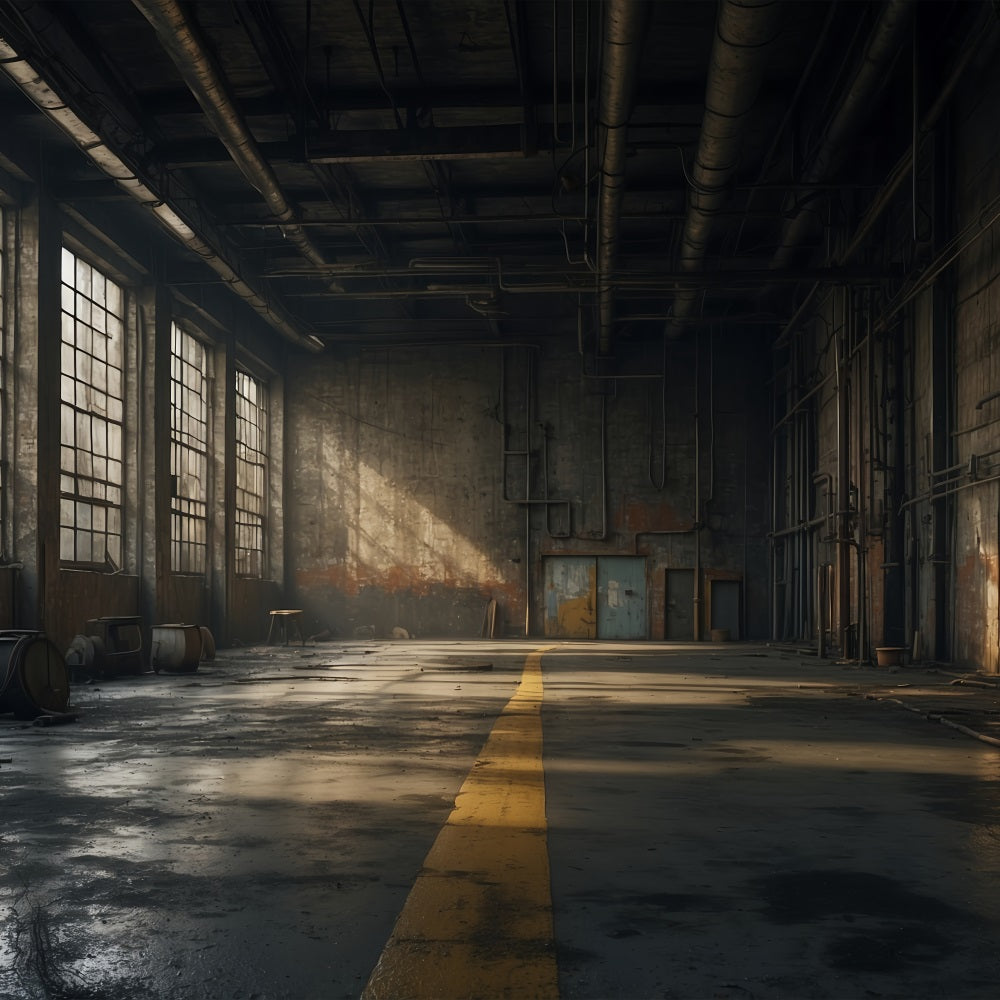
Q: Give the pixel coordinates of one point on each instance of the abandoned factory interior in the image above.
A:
(384, 382)
(599, 320)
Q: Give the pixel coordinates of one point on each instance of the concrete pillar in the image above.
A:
(35, 361)
(222, 494)
(154, 316)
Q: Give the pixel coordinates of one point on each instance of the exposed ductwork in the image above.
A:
(743, 32)
(182, 41)
(103, 155)
(856, 103)
(623, 24)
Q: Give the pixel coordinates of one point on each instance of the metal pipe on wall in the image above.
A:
(843, 484)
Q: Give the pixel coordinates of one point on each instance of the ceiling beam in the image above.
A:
(465, 142)
(210, 152)
(344, 101)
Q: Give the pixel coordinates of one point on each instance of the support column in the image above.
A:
(35, 359)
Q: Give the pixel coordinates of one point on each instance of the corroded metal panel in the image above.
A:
(571, 597)
(621, 597)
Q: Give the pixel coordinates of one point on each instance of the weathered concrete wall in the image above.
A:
(395, 513)
(917, 496)
(976, 430)
(406, 512)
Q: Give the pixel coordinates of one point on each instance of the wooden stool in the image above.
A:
(285, 620)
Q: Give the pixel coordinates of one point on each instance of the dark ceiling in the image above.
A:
(381, 170)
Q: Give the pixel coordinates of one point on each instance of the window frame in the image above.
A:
(6, 325)
(92, 506)
(190, 435)
(251, 523)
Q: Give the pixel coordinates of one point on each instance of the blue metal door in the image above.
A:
(621, 597)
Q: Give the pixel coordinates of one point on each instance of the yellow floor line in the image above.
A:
(477, 924)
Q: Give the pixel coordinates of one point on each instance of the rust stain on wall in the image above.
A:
(639, 515)
(351, 581)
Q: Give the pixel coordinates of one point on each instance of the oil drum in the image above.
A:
(33, 676)
(176, 647)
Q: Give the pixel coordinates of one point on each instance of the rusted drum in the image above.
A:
(33, 676)
(176, 647)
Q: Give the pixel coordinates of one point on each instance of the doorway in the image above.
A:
(679, 613)
(595, 597)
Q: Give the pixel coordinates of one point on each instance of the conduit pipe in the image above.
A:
(983, 28)
(182, 41)
(856, 103)
(94, 147)
(742, 35)
(623, 24)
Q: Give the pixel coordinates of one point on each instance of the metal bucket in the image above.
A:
(176, 647)
(33, 676)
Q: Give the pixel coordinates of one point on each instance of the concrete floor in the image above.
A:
(722, 822)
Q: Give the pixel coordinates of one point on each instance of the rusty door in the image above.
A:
(571, 597)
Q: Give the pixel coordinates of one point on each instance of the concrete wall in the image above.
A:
(976, 427)
(903, 432)
(405, 511)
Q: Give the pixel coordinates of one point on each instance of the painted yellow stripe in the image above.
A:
(478, 920)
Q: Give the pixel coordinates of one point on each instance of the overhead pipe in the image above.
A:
(623, 24)
(106, 158)
(738, 60)
(856, 103)
(181, 39)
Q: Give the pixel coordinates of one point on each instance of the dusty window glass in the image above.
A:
(251, 474)
(3, 372)
(92, 393)
(189, 427)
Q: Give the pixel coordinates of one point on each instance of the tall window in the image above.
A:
(93, 324)
(3, 374)
(188, 453)
(251, 474)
